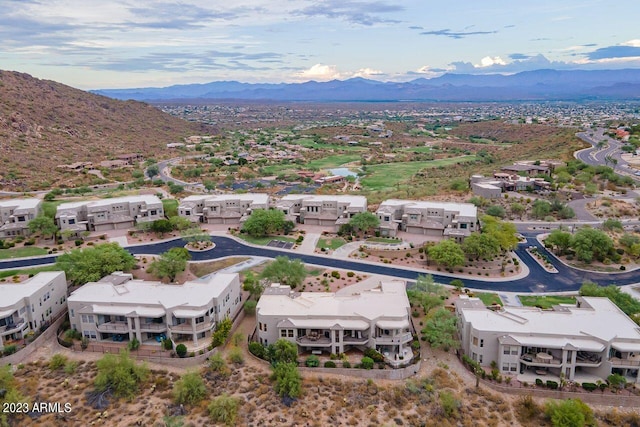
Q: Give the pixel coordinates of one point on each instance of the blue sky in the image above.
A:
(93, 44)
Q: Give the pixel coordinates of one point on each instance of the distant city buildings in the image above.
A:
(30, 305)
(118, 213)
(15, 215)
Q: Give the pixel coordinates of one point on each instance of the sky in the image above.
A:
(101, 44)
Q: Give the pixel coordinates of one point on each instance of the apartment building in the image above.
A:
(326, 210)
(585, 342)
(119, 308)
(30, 305)
(15, 215)
(222, 208)
(117, 213)
(435, 219)
(334, 323)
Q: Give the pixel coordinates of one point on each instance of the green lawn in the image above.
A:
(387, 175)
(333, 161)
(264, 240)
(170, 207)
(333, 244)
(421, 150)
(22, 252)
(545, 301)
(309, 143)
(34, 271)
(489, 299)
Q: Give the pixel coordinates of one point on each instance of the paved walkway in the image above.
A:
(510, 299)
(309, 243)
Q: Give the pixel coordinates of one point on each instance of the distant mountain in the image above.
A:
(543, 85)
(44, 124)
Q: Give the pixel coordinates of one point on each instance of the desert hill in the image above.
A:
(44, 124)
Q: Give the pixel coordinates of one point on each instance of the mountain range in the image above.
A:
(540, 85)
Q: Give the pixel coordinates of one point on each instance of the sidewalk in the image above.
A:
(309, 243)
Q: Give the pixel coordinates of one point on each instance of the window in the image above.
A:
(290, 333)
(22, 310)
(200, 319)
(481, 343)
(506, 350)
(514, 367)
(463, 226)
(505, 367)
(87, 318)
(480, 358)
(283, 333)
(475, 340)
(72, 221)
(72, 313)
(514, 351)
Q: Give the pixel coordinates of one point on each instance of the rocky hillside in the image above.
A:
(44, 124)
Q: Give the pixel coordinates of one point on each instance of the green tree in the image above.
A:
(152, 171)
(440, 330)
(616, 380)
(189, 389)
(264, 222)
(569, 413)
(221, 333)
(540, 209)
(517, 209)
(170, 263)
(92, 264)
(364, 222)
(120, 374)
(44, 225)
(224, 409)
(253, 285)
(504, 232)
(560, 240)
(282, 351)
(181, 223)
(448, 253)
(589, 243)
(426, 284)
(285, 271)
(481, 245)
(288, 382)
(496, 210)
(161, 226)
(608, 224)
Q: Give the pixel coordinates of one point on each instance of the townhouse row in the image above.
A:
(436, 219)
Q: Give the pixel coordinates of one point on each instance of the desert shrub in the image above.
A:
(57, 361)
(235, 356)
(189, 389)
(367, 363)
(222, 332)
(120, 374)
(346, 364)
(374, 354)
(350, 274)
(9, 349)
(552, 384)
(257, 349)
(329, 364)
(569, 412)
(527, 409)
(181, 350)
(250, 307)
(312, 361)
(335, 274)
(589, 386)
(224, 409)
(449, 404)
(70, 367)
(167, 344)
(134, 344)
(539, 382)
(73, 334)
(288, 382)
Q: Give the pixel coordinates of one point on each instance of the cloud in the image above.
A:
(489, 65)
(367, 73)
(634, 43)
(519, 56)
(357, 12)
(319, 72)
(488, 61)
(612, 52)
(456, 34)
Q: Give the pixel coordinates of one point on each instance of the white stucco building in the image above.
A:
(325, 210)
(222, 208)
(333, 323)
(15, 215)
(109, 214)
(587, 341)
(119, 308)
(30, 305)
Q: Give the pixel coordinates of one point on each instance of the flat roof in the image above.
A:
(149, 199)
(463, 209)
(29, 203)
(12, 293)
(596, 318)
(389, 300)
(355, 201)
(147, 294)
(252, 197)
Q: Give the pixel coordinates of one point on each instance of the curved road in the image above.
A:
(566, 280)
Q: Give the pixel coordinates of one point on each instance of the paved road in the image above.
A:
(566, 280)
(597, 156)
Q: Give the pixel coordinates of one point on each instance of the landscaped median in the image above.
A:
(541, 259)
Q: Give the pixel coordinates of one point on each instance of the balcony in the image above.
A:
(188, 327)
(632, 361)
(540, 359)
(394, 339)
(14, 327)
(588, 359)
(354, 340)
(113, 327)
(152, 326)
(314, 341)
